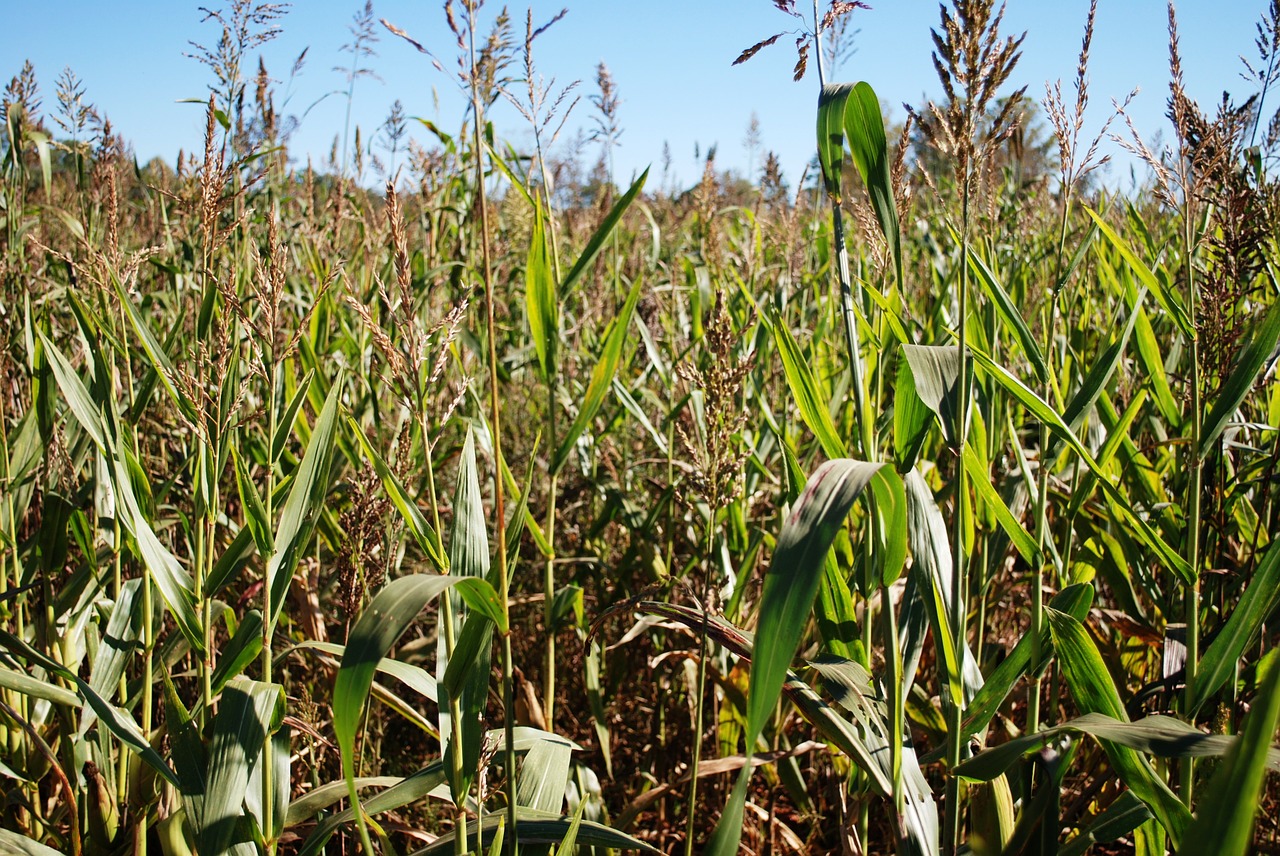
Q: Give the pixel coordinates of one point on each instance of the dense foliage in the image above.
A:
(925, 505)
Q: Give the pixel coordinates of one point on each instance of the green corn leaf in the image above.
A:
(425, 537)
(414, 677)
(1250, 362)
(1004, 305)
(285, 427)
(1094, 692)
(1075, 601)
(305, 501)
(76, 394)
(1162, 736)
(911, 418)
(254, 511)
(156, 355)
(864, 125)
(805, 390)
(403, 792)
(117, 721)
(980, 478)
(1168, 300)
(243, 649)
(541, 302)
(601, 378)
(1124, 815)
(936, 373)
(1099, 375)
(20, 682)
(1240, 630)
(602, 233)
(1118, 504)
(543, 774)
(786, 601)
(1152, 357)
(117, 647)
(247, 712)
(832, 103)
(375, 631)
(1225, 815)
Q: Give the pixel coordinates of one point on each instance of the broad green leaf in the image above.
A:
(402, 793)
(1094, 692)
(117, 647)
(304, 503)
(936, 373)
(1075, 601)
(1123, 816)
(1225, 815)
(1152, 356)
(175, 585)
(911, 418)
(375, 631)
(601, 378)
(1250, 361)
(414, 677)
(285, 427)
(75, 393)
(832, 103)
(248, 711)
(254, 511)
(1240, 630)
(1099, 375)
(1167, 299)
(1158, 735)
(156, 355)
(543, 774)
(243, 649)
(786, 601)
(864, 125)
(980, 478)
(21, 682)
(427, 539)
(542, 306)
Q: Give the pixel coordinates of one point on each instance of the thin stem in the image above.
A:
(495, 425)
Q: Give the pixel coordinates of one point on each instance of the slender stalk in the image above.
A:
(495, 423)
(699, 704)
(1194, 501)
(955, 706)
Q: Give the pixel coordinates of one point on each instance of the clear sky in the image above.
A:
(671, 61)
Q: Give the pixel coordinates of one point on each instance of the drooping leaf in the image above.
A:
(375, 631)
(1167, 299)
(1095, 692)
(786, 600)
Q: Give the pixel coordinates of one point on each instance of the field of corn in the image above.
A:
(921, 505)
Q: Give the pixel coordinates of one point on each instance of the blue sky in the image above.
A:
(671, 61)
